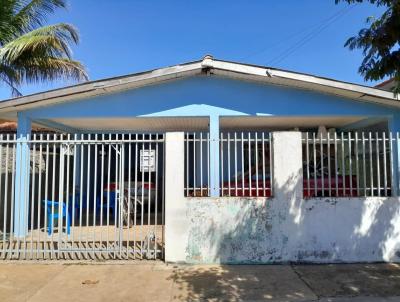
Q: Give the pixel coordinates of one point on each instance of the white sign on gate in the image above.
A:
(147, 160)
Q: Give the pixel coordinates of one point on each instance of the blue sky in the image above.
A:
(121, 37)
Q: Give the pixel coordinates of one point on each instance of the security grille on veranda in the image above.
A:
(96, 196)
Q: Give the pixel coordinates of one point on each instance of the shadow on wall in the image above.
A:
(289, 228)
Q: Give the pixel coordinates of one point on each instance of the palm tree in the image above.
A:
(31, 52)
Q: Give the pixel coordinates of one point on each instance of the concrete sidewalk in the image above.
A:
(157, 281)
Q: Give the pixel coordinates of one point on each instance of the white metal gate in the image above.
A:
(91, 196)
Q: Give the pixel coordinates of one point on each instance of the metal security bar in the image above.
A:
(197, 164)
(350, 164)
(245, 164)
(91, 196)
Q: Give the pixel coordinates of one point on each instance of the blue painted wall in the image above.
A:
(215, 96)
(203, 96)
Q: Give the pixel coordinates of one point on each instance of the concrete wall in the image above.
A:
(251, 230)
(281, 229)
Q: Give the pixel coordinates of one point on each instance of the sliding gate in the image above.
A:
(92, 196)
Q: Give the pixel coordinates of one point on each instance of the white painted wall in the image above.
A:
(283, 228)
(251, 230)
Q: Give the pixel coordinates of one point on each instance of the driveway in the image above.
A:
(156, 281)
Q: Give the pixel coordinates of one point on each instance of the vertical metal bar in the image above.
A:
(5, 239)
(149, 205)
(39, 200)
(73, 207)
(249, 160)
(384, 164)
(242, 151)
(201, 163)
(236, 166)
(343, 165)
(46, 194)
(229, 163)
(68, 214)
(350, 166)
(271, 166)
(53, 197)
(101, 197)
(329, 164)
(82, 151)
(122, 196)
(256, 151)
(315, 166)
(18, 158)
(26, 211)
(208, 165)
(396, 184)
(60, 196)
(194, 163)
(1, 193)
(336, 166)
(391, 163)
(263, 163)
(370, 164)
(142, 203)
(187, 163)
(94, 196)
(162, 192)
(136, 187)
(321, 150)
(87, 196)
(32, 191)
(5, 193)
(364, 164)
(12, 191)
(308, 165)
(129, 192)
(221, 144)
(156, 199)
(378, 170)
(357, 164)
(108, 197)
(117, 206)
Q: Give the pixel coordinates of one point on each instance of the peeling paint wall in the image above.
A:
(281, 229)
(251, 230)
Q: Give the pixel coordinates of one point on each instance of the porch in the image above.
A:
(129, 195)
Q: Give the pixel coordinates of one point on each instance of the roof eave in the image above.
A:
(101, 87)
(233, 69)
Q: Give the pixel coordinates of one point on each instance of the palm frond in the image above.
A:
(54, 40)
(12, 78)
(33, 14)
(31, 52)
(50, 69)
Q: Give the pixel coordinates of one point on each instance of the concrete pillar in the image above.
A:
(22, 173)
(214, 156)
(287, 165)
(176, 223)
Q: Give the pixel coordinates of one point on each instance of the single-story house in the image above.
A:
(205, 162)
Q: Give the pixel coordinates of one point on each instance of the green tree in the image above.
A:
(31, 52)
(380, 43)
